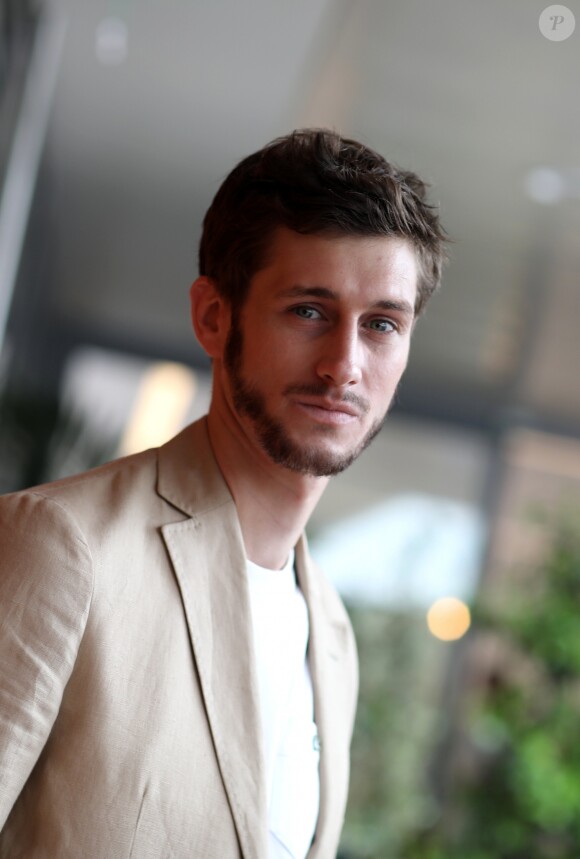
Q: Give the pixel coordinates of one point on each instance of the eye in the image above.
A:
(305, 311)
(382, 326)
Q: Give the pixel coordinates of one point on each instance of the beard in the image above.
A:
(272, 434)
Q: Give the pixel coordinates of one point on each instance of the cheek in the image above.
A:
(387, 373)
(270, 355)
(261, 348)
(264, 368)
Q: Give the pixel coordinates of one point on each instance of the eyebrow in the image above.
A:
(324, 292)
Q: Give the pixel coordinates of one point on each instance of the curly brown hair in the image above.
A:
(314, 181)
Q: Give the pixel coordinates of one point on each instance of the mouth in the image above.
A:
(335, 412)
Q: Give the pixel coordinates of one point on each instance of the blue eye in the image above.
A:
(304, 311)
(381, 325)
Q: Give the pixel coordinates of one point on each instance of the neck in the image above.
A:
(273, 503)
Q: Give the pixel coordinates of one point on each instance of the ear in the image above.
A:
(210, 316)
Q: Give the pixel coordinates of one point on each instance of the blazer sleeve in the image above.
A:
(45, 593)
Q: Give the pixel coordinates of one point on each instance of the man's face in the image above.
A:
(313, 361)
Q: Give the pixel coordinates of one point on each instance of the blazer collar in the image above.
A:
(189, 476)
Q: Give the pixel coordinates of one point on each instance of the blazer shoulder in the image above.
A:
(68, 490)
(36, 529)
(90, 499)
(46, 583)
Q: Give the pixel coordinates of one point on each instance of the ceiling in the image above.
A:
(468, 94)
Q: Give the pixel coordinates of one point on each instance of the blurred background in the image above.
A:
(118, 121)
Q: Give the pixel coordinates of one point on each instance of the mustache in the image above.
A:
(322, 390)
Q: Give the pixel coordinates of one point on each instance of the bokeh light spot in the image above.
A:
(448, 619)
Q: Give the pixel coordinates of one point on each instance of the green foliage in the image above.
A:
(401, 670)
(523, 802)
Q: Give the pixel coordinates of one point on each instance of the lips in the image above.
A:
(327, 413)
(333, 406)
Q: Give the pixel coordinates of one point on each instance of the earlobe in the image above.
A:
(210, 316)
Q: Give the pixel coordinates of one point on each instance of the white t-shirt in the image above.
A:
(280, 621)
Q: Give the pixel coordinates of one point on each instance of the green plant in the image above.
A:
(401, 667)
(520, 799)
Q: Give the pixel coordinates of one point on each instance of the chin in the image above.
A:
(311, 458)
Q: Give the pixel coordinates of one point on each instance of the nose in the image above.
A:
(339, 363)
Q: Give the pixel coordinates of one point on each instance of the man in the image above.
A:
(177, 679)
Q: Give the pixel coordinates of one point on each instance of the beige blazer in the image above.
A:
(129, 724)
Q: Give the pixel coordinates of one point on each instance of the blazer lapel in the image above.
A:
(208, 556)
(328, 644)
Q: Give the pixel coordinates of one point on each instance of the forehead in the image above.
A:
(366, 265)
